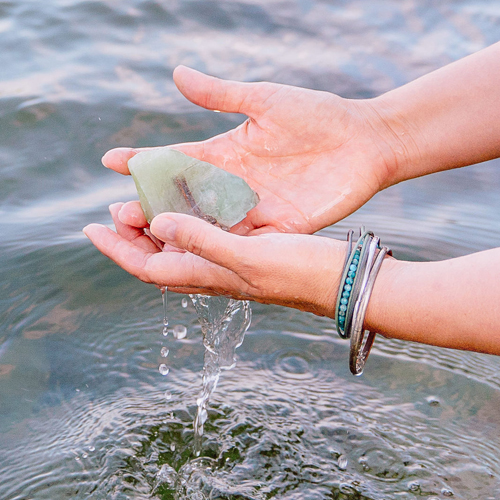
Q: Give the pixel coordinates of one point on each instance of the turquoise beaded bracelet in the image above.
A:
(347, 283)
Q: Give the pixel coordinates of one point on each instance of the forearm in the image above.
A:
(446, 119)
(453, 303)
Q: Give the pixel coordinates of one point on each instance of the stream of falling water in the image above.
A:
(163, 368)
(223, 322)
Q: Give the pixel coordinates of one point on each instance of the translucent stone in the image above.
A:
(170, 181)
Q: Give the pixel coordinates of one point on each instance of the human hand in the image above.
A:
(312, 156)
(298, 271)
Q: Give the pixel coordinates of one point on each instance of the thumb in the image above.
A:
(223, 95)
(199, 238)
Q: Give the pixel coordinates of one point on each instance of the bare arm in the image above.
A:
(447, 119)
(451, 303)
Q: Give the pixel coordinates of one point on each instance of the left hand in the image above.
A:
(298, 271)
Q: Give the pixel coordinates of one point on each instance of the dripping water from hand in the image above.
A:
(223, 322)
(165, 303)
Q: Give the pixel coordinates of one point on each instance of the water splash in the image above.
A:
(223, 324)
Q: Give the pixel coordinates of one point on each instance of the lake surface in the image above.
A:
(83, 410)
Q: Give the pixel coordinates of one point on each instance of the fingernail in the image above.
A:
(112, 153)
(164, 228)
(88, 229)
(115, 205)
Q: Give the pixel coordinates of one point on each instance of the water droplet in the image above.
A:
(172, 446)
(84, 455)
(342, 462)
(168, 395)
(164, 332)
(91, 448)
(347, 489)
(163, 369)
(432, 400)
(446, 492)
(164, 352)
(180, 332)
(184, 302)
(414, 486)
(77, 459)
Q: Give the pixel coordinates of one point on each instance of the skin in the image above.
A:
(314, 158)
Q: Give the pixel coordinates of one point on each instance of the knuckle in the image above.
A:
(195, 242)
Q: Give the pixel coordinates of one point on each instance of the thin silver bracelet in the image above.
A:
(359, 353)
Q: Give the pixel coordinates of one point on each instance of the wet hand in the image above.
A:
(297, 271)
(312, 156)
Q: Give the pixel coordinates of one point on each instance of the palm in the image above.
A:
(309, 155)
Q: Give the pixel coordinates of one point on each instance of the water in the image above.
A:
(223, 324)
(84, 411)
(164, 300)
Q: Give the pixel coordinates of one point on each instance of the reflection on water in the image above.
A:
(84, 411)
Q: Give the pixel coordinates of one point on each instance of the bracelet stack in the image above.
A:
(362, 264)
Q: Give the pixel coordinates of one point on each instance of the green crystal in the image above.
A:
(170, 181)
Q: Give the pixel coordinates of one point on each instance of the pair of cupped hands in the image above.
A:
(312, 157)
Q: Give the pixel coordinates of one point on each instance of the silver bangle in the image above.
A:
(359, 353)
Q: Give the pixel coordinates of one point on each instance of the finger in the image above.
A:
(131, 213)
(132, 234)
(201, 238)
(224, 95)
(127, 255)
(182, 271)
(116, 159)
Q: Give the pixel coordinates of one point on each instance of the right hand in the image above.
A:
(292, 270)
(313, 157)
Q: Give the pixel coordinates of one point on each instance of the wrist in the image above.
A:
(322, 286)
(399, 136)
(377, 317)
